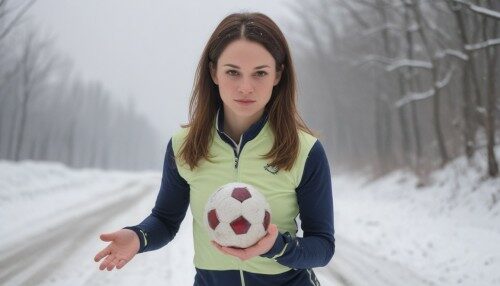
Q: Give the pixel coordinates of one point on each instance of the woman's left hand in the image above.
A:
(261, 247)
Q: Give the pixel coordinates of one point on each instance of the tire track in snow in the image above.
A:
(55, 242)
(354, 266)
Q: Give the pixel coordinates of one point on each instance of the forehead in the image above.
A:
(246, 53)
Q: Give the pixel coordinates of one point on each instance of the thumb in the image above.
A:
(108, 236)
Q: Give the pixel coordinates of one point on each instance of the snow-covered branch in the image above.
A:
(450, 52)
(388, 27)
(482, 45)
(444, 82)
(411, 97)
(373, 59)
(391, 64)
(480, 10)
(408, 63)
(415, 97)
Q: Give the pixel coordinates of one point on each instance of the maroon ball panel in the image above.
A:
(241, 194)
(267, 220)
(213, 221)
(240, 225)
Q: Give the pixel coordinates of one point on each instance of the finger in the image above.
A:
(106, 262)
(272, 229)
(108, 236)
(232, 251)
(121, 263)
(242, 254)
(112, 264)
(101, 254)
(218, 246)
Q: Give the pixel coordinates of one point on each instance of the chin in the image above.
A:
(245, 111)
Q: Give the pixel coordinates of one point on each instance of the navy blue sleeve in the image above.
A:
(315, 200)
(161, 226)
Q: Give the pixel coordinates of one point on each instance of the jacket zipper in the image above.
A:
(236, 150)
(237, 179)
(241, 276)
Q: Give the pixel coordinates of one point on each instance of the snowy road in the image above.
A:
(36, 258)
(354, 266)
(43, 258)
(50, 234)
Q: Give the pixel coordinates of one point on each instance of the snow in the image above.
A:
(482, 45)
(481, 10)
(52, 217)
(451, 52)
(414, 96)
(388, 231)
(444, 82)
(388, 27)
(448, 232)
(409, 63)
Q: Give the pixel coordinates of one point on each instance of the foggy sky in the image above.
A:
(144, 50)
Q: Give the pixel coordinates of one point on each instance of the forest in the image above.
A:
(386, 84)
(48, 113)
(393, 84)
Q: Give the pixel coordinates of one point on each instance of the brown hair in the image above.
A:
(205, 99)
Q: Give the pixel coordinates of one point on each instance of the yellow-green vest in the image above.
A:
(278, 188)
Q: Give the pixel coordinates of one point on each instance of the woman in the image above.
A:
(244, 126)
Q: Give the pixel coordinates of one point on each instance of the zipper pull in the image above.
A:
(236, 162)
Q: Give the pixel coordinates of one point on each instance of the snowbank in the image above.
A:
(448, 231)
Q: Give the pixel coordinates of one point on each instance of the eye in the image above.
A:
(261, 73)
(232, 73)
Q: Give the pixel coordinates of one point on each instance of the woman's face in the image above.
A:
(245, 74)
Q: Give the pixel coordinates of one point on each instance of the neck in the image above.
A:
(235, 125)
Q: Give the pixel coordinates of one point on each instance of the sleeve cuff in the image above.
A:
(279, 246)
(143, 237)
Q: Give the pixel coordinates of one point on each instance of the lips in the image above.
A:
(244, 100)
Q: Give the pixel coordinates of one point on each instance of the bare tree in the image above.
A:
(489, 43)
(419, 68)
(4, 12)
(35, 67)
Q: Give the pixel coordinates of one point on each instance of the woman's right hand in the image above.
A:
(123, 247)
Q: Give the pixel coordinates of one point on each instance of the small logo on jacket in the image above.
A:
(271, 169)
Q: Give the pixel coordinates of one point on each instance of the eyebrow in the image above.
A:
(256, 68)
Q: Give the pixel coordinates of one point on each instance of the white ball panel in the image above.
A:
(253, 211)
(254, 234)
(228, 209)
(224, 235)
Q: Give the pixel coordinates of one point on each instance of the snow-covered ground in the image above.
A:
(388, 232)
(447, 233)
(52, 217)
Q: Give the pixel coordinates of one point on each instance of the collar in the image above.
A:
(248, 135)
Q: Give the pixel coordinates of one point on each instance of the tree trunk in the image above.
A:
(436, 120)
(416, 132)
(435, 79)
(491, 57)
(468, 76)
(22, 127)
(404, 125)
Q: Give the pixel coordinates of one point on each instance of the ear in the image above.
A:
(278, 75)
(213, 72)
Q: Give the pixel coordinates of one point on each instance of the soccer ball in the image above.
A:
(237, 215)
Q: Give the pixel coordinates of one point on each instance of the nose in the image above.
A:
(245, 86)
